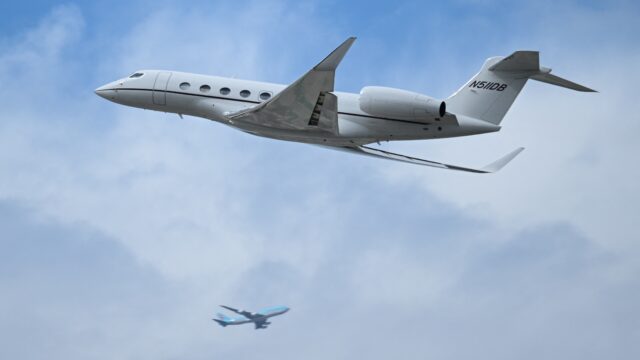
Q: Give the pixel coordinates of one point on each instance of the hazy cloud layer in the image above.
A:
(122, 229)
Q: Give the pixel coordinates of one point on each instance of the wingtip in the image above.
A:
(502, 162)
(332, 61)
(583, 88)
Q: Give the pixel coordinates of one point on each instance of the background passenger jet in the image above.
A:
(259, 319)
(311, 111)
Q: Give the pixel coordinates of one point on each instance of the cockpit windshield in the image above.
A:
(136, 75)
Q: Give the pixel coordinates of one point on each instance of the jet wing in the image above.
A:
(307, 104)
(247, 314)
(491, 168)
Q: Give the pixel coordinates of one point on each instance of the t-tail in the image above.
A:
(490, 93)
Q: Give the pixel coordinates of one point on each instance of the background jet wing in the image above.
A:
(261, 324)
(493, 167)
(247, 314)
(307, 104)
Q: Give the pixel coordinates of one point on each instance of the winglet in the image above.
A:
(500, 163)
(331, 62)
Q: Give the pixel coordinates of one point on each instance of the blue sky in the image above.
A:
(123, 229)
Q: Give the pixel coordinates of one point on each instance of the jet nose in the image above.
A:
(107, 92)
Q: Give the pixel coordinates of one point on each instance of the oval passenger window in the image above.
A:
(265, 96)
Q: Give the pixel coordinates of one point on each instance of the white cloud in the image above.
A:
(407, 262)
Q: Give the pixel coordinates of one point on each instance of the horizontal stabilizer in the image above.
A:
(527, 63)
(519, 61)
(556, 80)
(491, 168)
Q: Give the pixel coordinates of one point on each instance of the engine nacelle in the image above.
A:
(400, 104)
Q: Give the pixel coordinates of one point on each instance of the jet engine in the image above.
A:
(400, 104)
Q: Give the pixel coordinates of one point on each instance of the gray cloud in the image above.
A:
(70, 291)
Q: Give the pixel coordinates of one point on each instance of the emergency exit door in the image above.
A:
(160, 88)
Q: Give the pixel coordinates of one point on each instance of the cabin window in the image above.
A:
(205, 88)
(185, 86)
(245, 93)
(265, 95)
(136, 75)
(225, 91)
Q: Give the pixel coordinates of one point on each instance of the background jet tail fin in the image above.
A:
(222, 319)
(221, 322)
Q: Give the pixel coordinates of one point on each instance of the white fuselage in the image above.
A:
(214, 98)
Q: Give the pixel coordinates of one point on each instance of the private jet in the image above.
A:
(311, 111)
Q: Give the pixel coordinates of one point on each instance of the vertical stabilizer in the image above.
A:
(491, 92)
